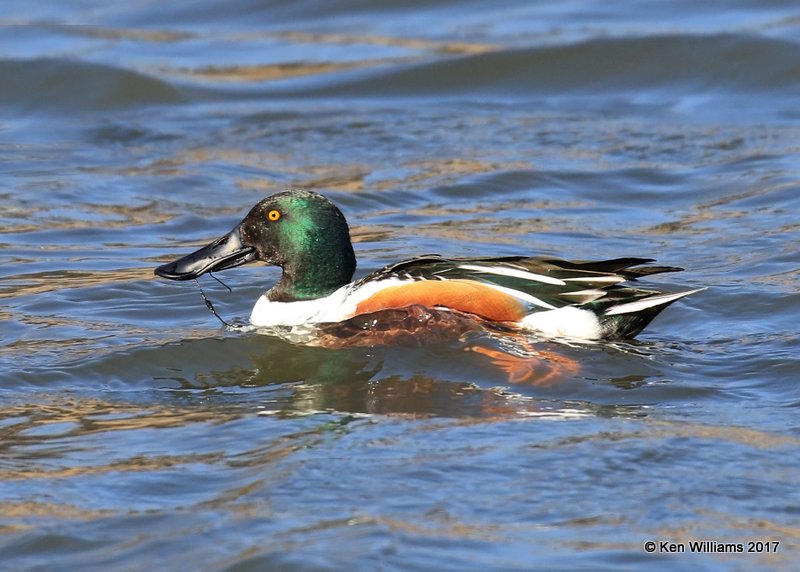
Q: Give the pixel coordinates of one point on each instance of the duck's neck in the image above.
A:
(311, 277)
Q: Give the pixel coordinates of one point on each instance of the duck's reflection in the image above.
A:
(464, 377)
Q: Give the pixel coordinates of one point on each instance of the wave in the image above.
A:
(667, 63)
(683, 70)
(63, 84)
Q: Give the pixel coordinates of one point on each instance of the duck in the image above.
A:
(308, 237)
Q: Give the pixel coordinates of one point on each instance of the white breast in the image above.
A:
(335, 307)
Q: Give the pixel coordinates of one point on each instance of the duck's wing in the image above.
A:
(545, 283)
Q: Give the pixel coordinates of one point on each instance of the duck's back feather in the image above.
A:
(512, 287)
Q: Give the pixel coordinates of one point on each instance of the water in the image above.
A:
(138, 434)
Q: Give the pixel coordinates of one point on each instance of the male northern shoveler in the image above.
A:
(308, 237)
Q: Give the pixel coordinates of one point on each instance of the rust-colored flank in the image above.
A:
(462, 295)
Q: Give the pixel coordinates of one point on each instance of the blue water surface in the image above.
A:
(138, 433)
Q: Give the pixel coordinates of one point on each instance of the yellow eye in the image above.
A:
(274, 215)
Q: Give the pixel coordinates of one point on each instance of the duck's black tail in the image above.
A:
(627, 319)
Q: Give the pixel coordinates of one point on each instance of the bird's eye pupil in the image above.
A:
(274, 215)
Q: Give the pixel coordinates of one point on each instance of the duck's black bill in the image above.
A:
(223, 253)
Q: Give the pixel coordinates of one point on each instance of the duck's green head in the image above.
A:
(300, 231)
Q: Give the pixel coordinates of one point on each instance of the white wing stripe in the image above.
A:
(650, 302)
(522, 296)
(513, 273)
(593, 292)
(611, 278)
